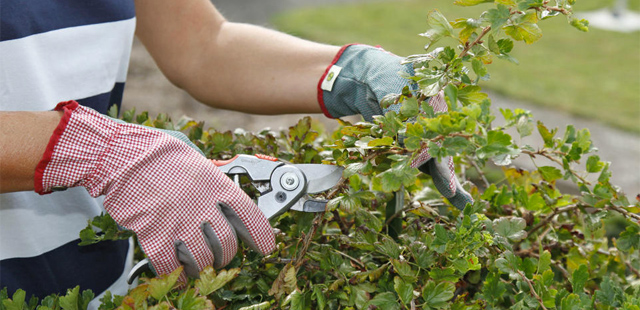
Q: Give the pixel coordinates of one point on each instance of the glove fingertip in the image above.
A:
(222, 254)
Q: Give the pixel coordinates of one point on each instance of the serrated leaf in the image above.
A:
(493, 288)
(544, 262)
(386, 300)
(629, 239)
(384, 141)
(498, 16)
(210, 282)
(511, 228)
(437, 295)
(285, 283)
(594, 164)
(527, 32)
(549, 173)
(546, 134)
(190, 300)
(17, 301)
(404, 289)
(70, 300)
(437, 21)
(160, 286)
(579, 278)
(471, 95)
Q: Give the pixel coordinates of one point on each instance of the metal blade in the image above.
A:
(305, 204)
(320, 177)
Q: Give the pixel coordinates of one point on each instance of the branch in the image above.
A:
(624, 212)
(546, 155)
(533, 291)
(480, 172)
(477, 41)
(307, 239)
(550, 217)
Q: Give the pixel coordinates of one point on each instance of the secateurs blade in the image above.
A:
(282, 186)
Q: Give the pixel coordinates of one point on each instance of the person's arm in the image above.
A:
(230, 65)
(24, 137)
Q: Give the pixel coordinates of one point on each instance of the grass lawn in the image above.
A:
(594, 74)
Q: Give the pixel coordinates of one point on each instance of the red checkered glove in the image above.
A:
(180, 205)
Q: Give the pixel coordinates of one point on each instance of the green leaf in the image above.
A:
(493, 288)
(579, 278)
(549, 173)
(410, 107)
(610, 293)
(389, 247)
(547, 136)
(544, 262)
(209, 282)
(509, 263)
(594, 164)
(386, 300)
(511, 228)
(404, 289)
(436, 296)
(384, 141)
(190, 300)
(88, 236)
(629, 239)
(498, 16)
(71, 299)
(470, 2)
(404, 270)
(261, 306)
(527, 32)
(17, 301)
(160, 286)
(471, 95)
(524, 126)
(437, 21)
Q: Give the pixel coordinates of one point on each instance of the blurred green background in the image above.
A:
(594, 74)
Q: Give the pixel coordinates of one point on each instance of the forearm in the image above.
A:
(257, 70)
(230, 65)
(23, 140)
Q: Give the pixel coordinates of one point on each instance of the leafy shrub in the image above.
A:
(388, 240)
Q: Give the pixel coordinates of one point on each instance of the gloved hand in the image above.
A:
(180, 205)
(355, 83)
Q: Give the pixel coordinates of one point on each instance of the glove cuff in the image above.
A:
(357, 79)
(89, 149)
(74, 149)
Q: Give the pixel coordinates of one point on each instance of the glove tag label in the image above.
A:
(330, 78)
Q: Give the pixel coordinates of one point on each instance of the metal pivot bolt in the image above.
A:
(289, 181)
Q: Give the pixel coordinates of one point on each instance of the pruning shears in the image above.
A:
(281, 186)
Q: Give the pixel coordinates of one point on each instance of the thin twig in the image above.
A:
(546, 155)
(533, 291)
(464, 52)
(624, 212)
(307, 240)
(480, 172)
(550, 217)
